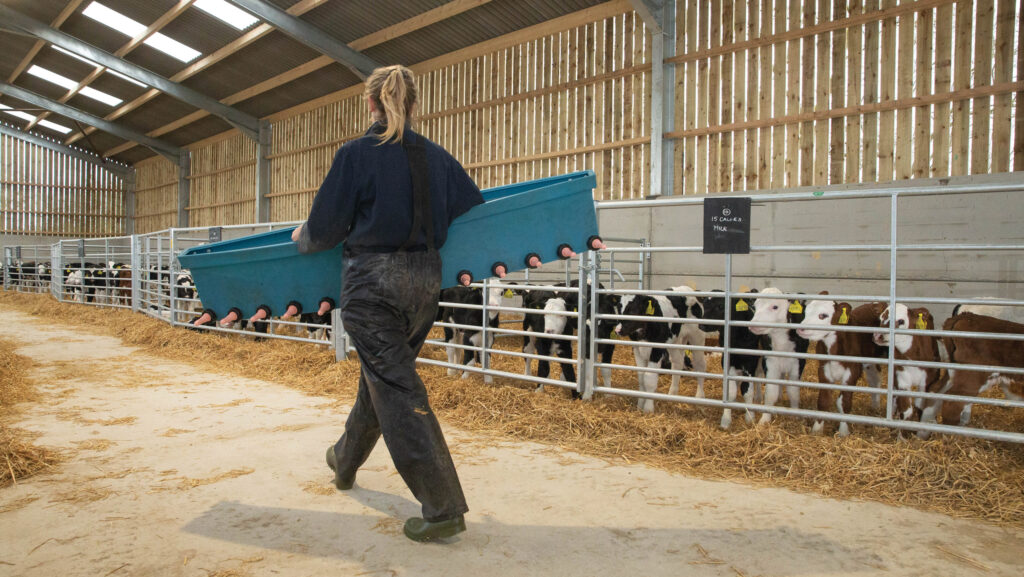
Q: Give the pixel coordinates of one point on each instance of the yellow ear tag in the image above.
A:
(575, 310)
(920, 324)
(615, 335)
(844, 318)
(508, 294)
(650, 308)
(795, 308)
(742, 306)
(688, 353)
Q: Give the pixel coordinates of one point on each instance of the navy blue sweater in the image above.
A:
(366, 199)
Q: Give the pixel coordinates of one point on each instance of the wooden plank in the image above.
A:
(981, 130)
(960, 126)
(943, 77)
(824, 78)
(793, 77)
(923, 114)
(729, 97)
(1001, 117)
(692, 82)
(779, 66)
(754, 71)
(715, 99)
(806, 129)
(837, 154)
(1018, 130)
(704, 96)
(902, 154)
(871, 81)
(764, 178)
(57, 22)
(887, 120)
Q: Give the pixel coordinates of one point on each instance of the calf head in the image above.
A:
(904, 318)
(557, 324)
(819, 315)
(714, 309)
(640, 305)
(769, 310)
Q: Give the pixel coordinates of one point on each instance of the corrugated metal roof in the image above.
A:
(266, 58)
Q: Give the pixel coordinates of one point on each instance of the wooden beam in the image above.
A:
(120, 53)
(57, 23)
(203, 63)
(428, 18)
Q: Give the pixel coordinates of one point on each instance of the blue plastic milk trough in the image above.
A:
(535, 218)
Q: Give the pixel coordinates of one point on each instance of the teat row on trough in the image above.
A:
(532, 260)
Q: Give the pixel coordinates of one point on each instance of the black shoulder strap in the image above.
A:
(423, 214)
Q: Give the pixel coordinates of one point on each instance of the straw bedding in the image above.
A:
(956, 476)
(19, 457)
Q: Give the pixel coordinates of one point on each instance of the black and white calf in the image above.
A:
(185, 295)
(740, 365)
(460, 295)
(663, 332)
(774, 310)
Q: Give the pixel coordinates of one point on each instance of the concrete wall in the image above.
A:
(990, 218)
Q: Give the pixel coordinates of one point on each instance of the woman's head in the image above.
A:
(392, 93)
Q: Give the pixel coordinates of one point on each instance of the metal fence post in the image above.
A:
(584, 385)
(723, 336)
(7, 267)
(593, 259)
(893, 236)
(485, 357)
(136, 264)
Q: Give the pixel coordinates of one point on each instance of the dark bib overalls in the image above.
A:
(388, 305)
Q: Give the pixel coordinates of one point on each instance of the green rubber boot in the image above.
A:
(419, 529)
(332, 462)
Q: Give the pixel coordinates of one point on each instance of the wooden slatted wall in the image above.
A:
(574, 98)
(156, 195)
(223, 183)
(44, 192)
(785, 93)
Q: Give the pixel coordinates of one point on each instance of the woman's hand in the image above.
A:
(296, 233)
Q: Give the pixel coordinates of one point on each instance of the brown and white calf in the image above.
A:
(819, 318)
(911, 348)
(963, 350)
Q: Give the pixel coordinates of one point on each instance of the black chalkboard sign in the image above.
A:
(727, 225)
(216, 233)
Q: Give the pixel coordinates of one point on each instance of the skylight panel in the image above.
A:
(228, 13)
(91, 63)
(131, 28)
(65, 82)
(26, 116)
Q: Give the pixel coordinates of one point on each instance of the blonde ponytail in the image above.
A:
(393, 92)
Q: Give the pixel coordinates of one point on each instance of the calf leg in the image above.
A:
(874, 380)
(449, 336)
(678, 360)
(649, 383)
(471, 358)
(845, 401)
(700, 365)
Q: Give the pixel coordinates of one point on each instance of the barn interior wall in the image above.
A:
(769, 95)
(48, 194)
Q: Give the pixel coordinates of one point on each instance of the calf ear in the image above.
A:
(823, 293)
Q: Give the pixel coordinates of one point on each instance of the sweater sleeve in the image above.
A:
(330, 217)
(463, 193)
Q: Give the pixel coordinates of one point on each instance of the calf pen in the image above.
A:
(630, 268)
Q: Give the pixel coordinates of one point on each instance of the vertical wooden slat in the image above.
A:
(902, 159)
(793, 77)
(754, 94)
(824, 79)
(871, 81)
(943, 75)
(961, 80)
(704, 95)
(1001, 118)
(692, 94)
(981, 123)
(764, 179)
(806, 145)
(837, 146)
(887, 119)
(779, 100)
(742, 61)
(1018, 129)
(715, 99)
(725, 152)
(923, 84)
